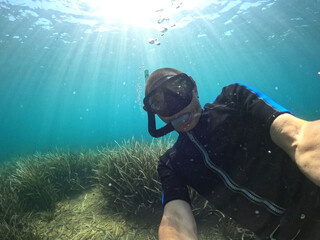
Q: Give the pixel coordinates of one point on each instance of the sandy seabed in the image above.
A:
(85, 217)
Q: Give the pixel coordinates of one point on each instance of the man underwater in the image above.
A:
(250, 157)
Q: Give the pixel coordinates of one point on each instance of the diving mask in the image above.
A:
(169, 95)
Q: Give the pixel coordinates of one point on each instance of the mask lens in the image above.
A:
(181, 85)
(171, 96)
(157, 101)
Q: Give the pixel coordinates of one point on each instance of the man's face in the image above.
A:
(194, 111)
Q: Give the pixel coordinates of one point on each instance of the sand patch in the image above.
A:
(85, 217)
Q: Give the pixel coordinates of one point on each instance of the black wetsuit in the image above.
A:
(230, 159)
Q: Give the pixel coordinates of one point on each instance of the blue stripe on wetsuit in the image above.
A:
(268, 100)
(265, 98)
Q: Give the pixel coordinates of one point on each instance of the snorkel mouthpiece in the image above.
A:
(176, 123)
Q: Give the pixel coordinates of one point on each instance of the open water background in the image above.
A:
(73, 79)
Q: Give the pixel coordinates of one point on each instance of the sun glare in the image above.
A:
(141, 13)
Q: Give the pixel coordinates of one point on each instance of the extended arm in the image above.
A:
(177, 222)
(300, 139)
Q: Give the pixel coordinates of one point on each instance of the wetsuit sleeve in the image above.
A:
(172, 186)
(250, 101)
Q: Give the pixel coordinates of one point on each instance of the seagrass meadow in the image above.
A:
(107, 193)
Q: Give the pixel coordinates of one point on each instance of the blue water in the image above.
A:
(69, 79)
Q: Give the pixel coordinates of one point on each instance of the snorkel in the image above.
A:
(157, 132)
(153, 131)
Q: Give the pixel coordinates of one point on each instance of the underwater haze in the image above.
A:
(72, 72)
